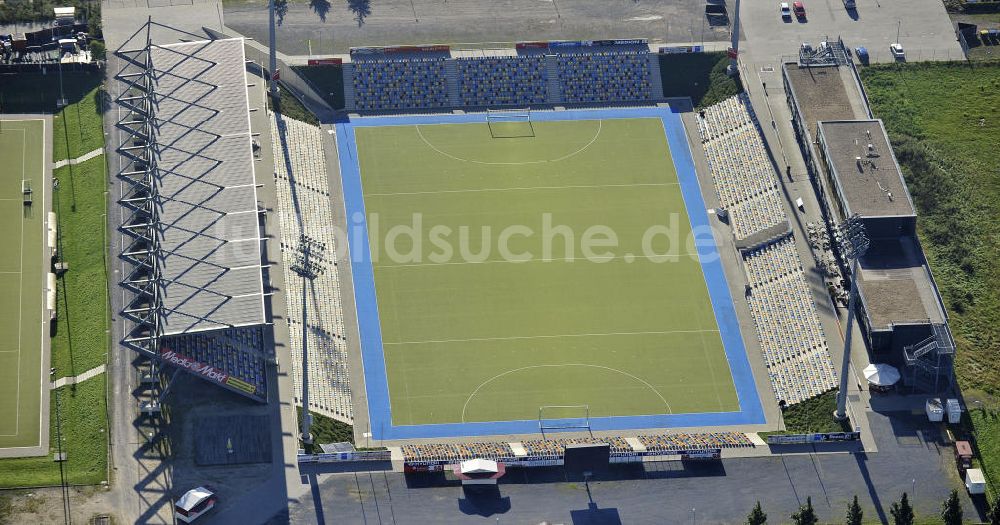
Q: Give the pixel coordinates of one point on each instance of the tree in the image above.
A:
(805, 515)
(854, 513)
(757, 516)
(361, 10)
(951, 510)
(901, 511)
(97, 50)
(280, 10)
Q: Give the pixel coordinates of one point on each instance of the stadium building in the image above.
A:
(855, 172)
(194, 281)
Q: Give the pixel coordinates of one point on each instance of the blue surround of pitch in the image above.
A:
(379, 410)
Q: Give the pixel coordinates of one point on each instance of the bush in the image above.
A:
(97, 50)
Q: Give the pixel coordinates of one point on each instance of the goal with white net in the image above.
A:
(510, 123)
(563, 417)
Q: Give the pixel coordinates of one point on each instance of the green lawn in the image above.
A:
(812, 416)
(81, 341)
(944, 122)
(328, 81)
(77, 127)
(23, 271)
(701, 76)
(84, 431)
(987, 426)
(474, 336)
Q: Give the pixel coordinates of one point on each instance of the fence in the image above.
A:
(337, 457)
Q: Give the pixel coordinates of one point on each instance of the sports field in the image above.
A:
(489, 303)
(22, 281)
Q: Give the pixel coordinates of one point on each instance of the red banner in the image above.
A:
(532, 45)
(325, 61)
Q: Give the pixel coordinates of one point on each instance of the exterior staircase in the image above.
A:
(555, 94)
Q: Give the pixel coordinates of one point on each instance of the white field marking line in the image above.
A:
(603, 258)
(498, 376)
(553, 336)
(524, 188)
(20, 287)
(564, 157)
(19, 273)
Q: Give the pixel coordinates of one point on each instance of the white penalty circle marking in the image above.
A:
(564, 157)
(502, 374)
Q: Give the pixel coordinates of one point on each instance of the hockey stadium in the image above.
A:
(498, 254)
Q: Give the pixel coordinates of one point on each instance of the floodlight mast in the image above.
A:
(853, 245)
(308, 265)
(272, 64)
(732, 69)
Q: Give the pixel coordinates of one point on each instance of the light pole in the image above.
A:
(898, 24)
(734, 46)
(853, 245)
(308, 265)
(272, 52)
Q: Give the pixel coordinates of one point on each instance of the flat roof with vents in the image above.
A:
(208, 230)
(865, 171)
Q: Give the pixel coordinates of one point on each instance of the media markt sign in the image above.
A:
(193, 366)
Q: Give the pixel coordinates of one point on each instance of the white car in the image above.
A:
(786, 12)
(194, 504)
(897, 51)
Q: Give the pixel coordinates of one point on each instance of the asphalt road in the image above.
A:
(332, 27)
(911, 458)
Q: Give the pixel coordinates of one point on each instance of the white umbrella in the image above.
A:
(881, 374)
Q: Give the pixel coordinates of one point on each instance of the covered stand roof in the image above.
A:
(208, 230)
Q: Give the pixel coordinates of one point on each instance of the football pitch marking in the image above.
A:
(552, 336)
(628, 258)
(515, 370)
(525, 188)
(600, 124)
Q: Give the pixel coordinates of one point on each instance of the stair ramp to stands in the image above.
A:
(555, 95)
(655, 81)
(348, 72)
(451, 74)
(930, 360)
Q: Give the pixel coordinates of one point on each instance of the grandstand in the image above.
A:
(404, 83)
(792, 341)
(551, 451)
(503, 81)
(532, 73)
(304, 209)
(194, 282)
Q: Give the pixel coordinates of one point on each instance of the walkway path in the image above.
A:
(82, 158)
(72, 380)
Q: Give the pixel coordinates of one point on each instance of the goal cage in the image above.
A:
(510, 123)
(563, 417)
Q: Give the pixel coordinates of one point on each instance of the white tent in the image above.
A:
(881, 374)
(479, 466)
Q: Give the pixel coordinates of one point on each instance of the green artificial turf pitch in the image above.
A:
(478, 337)
(22, 285)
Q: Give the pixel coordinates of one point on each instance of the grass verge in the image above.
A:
(704, 78)
(77, 127)
(84, 429)
(812, 416)
(987, 427)
(328, 81)
(290, 107)
(80, 340)
(943, 120)
(325, 430)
